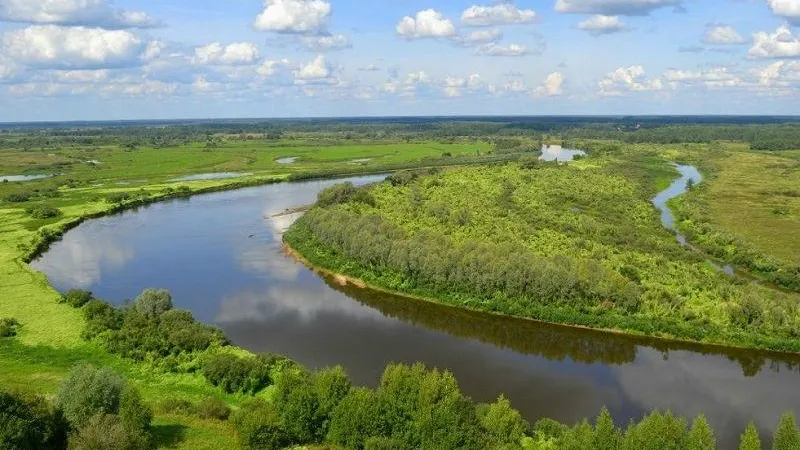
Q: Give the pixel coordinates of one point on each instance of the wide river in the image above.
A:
(220, 255)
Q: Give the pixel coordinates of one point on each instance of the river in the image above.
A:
(220, 255)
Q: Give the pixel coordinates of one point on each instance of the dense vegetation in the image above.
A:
(578, 245)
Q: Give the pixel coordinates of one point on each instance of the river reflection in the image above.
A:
(220, 254)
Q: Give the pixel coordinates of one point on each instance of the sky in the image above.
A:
(166, 59)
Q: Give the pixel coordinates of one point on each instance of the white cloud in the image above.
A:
(294, 16)
(238, 53)
(94, 13)
(628, 79)
(271, 67)
(499, 14)
(599, 24)
(723, 35)
(780, 77)
(719, 77)
(515, 85)
(613, 7)
(53, 47)
(552, 86)
(428, 23)
(493, 49)
(788, 9)
(316, 71)
(780, 44)
(482, 36)
(325, 43)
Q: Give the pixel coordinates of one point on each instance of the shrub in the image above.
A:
(344, 193)
(134, 415)
(259, 426)
(100, 317)
(106, 432)
(18, 197)
(88, 391)
(153, 302)
(118, 198)
(43, 212)
(502, 423)
(8, 327)
(233, 374)
(212, 408)
(28, 422)
(787, 435)
(77, 298)
(356, 419)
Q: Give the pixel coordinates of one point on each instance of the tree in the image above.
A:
(787, 436)
(106, 432)
(331, 385)
(259, 426)
(581, 437)
(503, 424)
(750, 439)
(28, 422)
(153, 302)
(701, 436)
(77, 298)
(88, 391)
(296, 400)
(606, 435)
(134, 414)
(355, 419)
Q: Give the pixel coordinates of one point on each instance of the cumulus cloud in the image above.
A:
(499, 14)
(93, 13)
(483, 36)
(271, 67)
(552, 86)
(780, 44)
(54, 47)
(325, 43)
(781, 77)
(723, 35)
(238, 53)
(428, 23)
(318, 71)
(628, 79)
(493, 49)
(788, 9)
(599, 24)
(294, 16)
(614, 7)
(718, 77)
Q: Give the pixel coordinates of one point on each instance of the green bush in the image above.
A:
(259, 426)
(18, 197)
(787, 435)
(100, 317)
(118, 198)
(106, 432)
(344, 193)
(77, 298)
(502, 424)
(153, 302)
(9, 327)
(212, 408)
(43, 212)
(234, 374)
(133, 413)
(29, 422)
(356, 419)
(88, 391)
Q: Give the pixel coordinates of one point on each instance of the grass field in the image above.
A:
(49, 341)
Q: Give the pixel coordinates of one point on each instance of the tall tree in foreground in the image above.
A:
(701, 437)
(750, 439)
(787, 437)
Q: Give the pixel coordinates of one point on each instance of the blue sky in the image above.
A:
(145, 59)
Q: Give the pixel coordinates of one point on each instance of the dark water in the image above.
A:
(222, 259)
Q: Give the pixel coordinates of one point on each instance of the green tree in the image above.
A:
(134, 414)
(606, 435)
(657, 432)
(580, 437)
(787, 436)
(153, 302)
(28, 422)
(259, 426)
(106, 432)
(750, 439)
(296, 400)
(701, 436)
(502, 423)
(355, 419)
(88, 391)
(331, 385)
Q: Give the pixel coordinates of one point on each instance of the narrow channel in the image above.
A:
(220, 254)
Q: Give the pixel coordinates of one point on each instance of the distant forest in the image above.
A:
(762, 132)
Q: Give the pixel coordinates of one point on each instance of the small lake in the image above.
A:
(21, 178)
(220, 254)
(559, 154)
(291, 160)
(211, 176)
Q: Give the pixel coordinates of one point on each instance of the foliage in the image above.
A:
(88, 391)
(750, 439)
(502, 424)
(787, 436)
(233, 373)
(701, 436)
(28, 422)
(133, 413)
(43, 212)
(259, 426)
(77, 298)
(107, 432)
(9, 327)
(152, 303)
(568, 245)
(354, 421)
(343, 193)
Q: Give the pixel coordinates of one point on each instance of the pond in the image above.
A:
(221, 256)
(20, 178)
(559, 154)
(211, 176)
(291, 160)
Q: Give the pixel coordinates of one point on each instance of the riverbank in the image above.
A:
(362, 233)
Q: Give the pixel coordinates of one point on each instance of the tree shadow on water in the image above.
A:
(168, 436)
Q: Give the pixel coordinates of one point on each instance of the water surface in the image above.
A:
(220, 254)
(291, 160)
(559, 153)
(20, 178)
